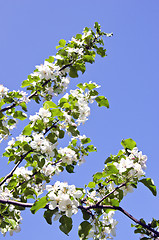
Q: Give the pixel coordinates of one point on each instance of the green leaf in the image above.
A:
(73, 130)
(12, 222)
(62, 42)
(2, 102)
(66, 224)
(52, 137)
(101, 51)
(50, 59)
(11, 121)
(91, 148)
(40, 203)
(25, 83)
(128, 143)
(111, 169)
(49, 104)
(91, 184)
(83, 230)
(24, 106)
(148, 182)
(61, 134)
(102, 101)
(80, 85)
(93, 93)
(85, 140)
(78, 36)
(27, 130)
(97, 26)
(73, 72)
(20, 115)
(70, 168)
(88, 58)
(56, 112)
(109, 159)
(86, 215)
(99, 175)
(48, 215)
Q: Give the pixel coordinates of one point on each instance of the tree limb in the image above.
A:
(95, 206)
(87, 208)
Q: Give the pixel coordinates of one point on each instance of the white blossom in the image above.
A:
(68, 155)
(24, 172)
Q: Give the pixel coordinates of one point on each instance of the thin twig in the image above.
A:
(9, 175)
(20, 204)
(120, 186)
(34, 93)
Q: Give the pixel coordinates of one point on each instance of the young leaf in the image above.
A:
(50, 59)
(41, 203)
(62, 42)
(102, 101)
(148, 182)
(27, 130)
(49, 104)
(20, 115)
(91, 184)
(128, 143)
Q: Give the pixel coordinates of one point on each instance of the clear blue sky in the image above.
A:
(30, 30)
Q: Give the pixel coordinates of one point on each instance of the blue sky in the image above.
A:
(30, 31)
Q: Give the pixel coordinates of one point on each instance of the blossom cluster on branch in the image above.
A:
(37, 153)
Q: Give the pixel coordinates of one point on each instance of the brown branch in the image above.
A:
(95, 206)
(87, 208)
(20, 204)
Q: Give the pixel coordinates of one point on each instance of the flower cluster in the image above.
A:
(64, 197)
(80, 98)
(68, 155)
(133, 164)
(51, 72)
(49, 168)
(43, 114)
(12, 224)
(104, 228)
(82, 104)
(24, 172)
(40, 143)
